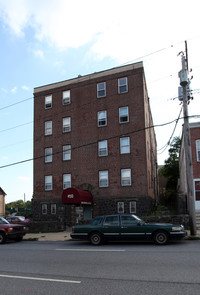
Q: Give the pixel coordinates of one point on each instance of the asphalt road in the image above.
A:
(72, 267)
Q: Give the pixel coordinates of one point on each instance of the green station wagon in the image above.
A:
(126, 227)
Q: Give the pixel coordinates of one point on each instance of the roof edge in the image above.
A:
(89, 77)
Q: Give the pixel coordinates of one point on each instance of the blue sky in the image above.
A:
(46, 41)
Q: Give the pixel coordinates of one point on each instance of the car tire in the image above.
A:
(2, 238)
(95, 239)
(161, 237)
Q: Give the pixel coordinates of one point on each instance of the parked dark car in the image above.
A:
(11, 231)
(126, 227)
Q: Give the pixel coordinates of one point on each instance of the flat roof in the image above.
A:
(88, 77)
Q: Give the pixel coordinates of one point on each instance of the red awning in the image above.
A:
(76, 196)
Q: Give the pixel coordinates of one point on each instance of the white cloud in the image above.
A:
(26, 88)
(120, 30)
(39, 53)
(14, 89)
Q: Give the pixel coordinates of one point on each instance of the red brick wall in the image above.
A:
(85, 163)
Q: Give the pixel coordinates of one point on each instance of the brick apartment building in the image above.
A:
(94, 152)
(195, 148)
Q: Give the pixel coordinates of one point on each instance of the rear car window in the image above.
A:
(111, 220)
(97, 221)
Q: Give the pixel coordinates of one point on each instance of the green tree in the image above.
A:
(171, 172)
(19, 206)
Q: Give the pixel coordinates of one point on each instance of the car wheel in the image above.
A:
(2, 238)
(161, 237)
(95, 239)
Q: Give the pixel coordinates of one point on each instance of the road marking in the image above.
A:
(90, 250)
(39, 279)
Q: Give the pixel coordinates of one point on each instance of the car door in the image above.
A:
(111, 227)
(131, 228)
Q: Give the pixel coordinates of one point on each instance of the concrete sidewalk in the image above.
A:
(55, 236)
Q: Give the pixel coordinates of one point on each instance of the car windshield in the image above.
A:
(136, 217)
(22, 218)
(3, 221)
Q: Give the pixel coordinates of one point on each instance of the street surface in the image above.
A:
(73, 267)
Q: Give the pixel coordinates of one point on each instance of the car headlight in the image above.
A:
(10, 229)
(178, 228)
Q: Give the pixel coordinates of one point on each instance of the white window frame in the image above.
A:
(66, 152)
(66, 97)
(122, 85)
(48, 102)
(102, 118)
(66, 124)
(103, 178)
(195, 191)
(125, 145)
(126, 177)
(198, 149)
(67, 180)
(48, 128)
(132, 206)
(44, 209)
(48, 155)
(48, 183)
(123, 115)
(53, 209)
(101, 89)
(103, 148)
(120, 207)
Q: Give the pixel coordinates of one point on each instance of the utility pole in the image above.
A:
(183, 74)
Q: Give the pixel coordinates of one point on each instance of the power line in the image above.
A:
(96, 141)
(168, 143)
(13, 104)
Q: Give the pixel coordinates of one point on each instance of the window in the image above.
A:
(44, 208)
(132, 206)
(48, 183)
(53, 208)
(197, 190)
(125, 145)
(66, 181)
(103, 148)
(66, 97)
(198, 149)
(102, 118)
(122, 85)
(120, 207)
(48, 127)
(126, 177)
(112, 220)
(101, 89)
(66, 124)
(48, 101)
(66, 152)
(128, 220)
(123, 115)
(48, 155)
(103, 178)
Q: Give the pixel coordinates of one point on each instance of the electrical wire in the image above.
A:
(169, 141)
(96, 141)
